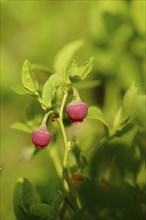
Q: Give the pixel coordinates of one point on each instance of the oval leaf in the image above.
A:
(19, 210)
(77, 73)
(49, 89)
(29, 195)
(72, 72)
(28, 78)
(22, 127)
(95, 113)
(42, 210)
(86, 68)
(128, 102)
(125, 111)
(65, 55)
(19, 89)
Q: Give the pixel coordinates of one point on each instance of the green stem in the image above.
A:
(40, 100)
(43, 124)
(56, 160)
(61, 125)
(63, 104)
(66, 144)
(76, 95)
(70, 204)
(66, 154)
(71, 189)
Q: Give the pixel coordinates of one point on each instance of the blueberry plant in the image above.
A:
(90, 196)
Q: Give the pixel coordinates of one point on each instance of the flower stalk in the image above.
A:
(65, 174)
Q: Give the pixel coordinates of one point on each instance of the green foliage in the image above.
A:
(28, 78)
(77, 73)
(30, 84)
(24, 197)
(42, 210)
(78, 161)
(27, 204)
(80, 215)
(56, 204)
(65, 56)
(110, 159)
(22, 127)
(30, 124)
(107, 160)
(18, 202)
(139, 108)
(50, 88)
(95, 113)
(114, 152)
(20, 90)
(88, 84)
(128, 103)
(29, 195)
(140, 180)
(126, 110)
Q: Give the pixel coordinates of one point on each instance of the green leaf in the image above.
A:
(137, 13)
(128, 101)
(81, 160)
(123, 130)
(126, 109)
(80, 215)
(19, 210)
(56, 204)
(29, 195)
(88, 84)
(22, 127)
(42, 210)
(86, 68)
(77, 73)
(65, 55)
(140, 179)
(28, 78)
(33, 110)
(50, 88)
(139, 109)
(72, 72)
(19, 89)
(73, 195)
(41, 68)
(95, 113)
(29, 153)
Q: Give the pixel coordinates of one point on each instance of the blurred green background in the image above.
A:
(114, 32)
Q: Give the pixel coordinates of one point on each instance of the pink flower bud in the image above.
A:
(41, 138)
(77, 111)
